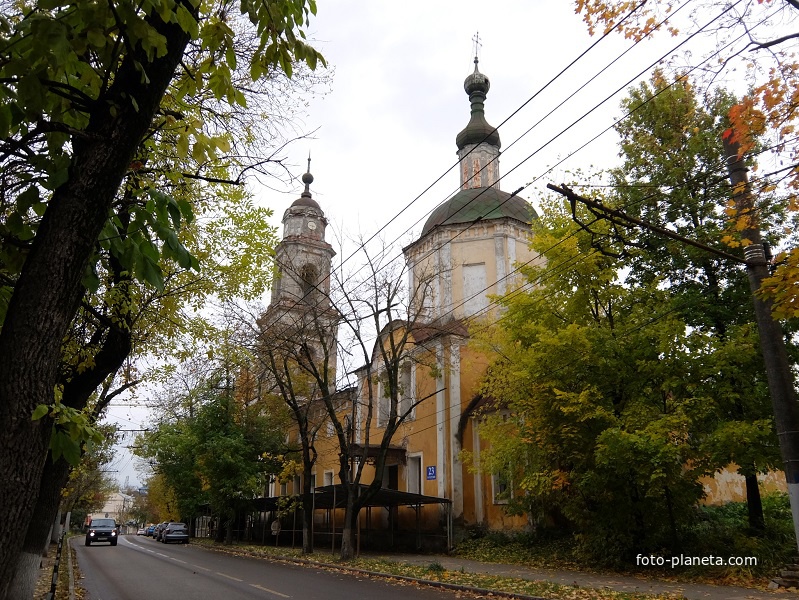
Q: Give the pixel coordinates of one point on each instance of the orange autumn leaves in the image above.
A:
(771, 107)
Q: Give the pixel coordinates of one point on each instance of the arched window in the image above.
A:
(309, 278)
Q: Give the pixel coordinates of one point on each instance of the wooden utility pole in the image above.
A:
(772, 342)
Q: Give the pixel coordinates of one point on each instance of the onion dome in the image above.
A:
(478, 130)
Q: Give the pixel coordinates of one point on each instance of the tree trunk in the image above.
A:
(675, 538)
(56, 531)
(348, 532)
(754, 504)
(307, 514)
(48, 290)
(37, 537)
(219, 532)
(307, 523)
(229, 531)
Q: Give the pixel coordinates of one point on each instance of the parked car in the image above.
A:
(159, 529)
(150, 530)
(141, 531)
(102, 530)
(175, 532)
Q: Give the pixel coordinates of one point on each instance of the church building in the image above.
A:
(468, 251)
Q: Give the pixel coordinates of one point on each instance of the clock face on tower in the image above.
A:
(311, 225)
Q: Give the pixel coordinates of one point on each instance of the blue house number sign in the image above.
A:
(431, 473)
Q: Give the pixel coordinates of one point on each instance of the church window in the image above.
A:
(502, 490)
(406, 391)
(414, 473)
(383, 401)
(476, 178)
(474, 289)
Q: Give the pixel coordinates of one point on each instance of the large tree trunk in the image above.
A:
(26, 572)
(46, 295)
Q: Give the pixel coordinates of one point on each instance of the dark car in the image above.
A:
(159, 529)
(102, 530)
(175, 532)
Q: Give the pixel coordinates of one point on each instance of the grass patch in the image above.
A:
(435, 567)
(718, 531)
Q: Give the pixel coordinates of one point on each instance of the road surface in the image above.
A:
(139, 567)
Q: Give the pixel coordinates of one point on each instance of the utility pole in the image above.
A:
(772, 342)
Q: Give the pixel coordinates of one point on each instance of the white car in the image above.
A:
(141, 531)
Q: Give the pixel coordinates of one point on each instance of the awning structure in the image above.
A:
(332, 497)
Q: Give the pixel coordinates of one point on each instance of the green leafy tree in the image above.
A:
(600, 433)
(219, 450)
(85, 91)
(673, 175)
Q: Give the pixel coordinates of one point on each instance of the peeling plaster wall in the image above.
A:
(728, 486)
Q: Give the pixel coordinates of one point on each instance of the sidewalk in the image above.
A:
(621, 583)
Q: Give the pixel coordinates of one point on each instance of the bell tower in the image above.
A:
(303, 258)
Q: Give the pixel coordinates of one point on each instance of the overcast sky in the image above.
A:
(386, 131)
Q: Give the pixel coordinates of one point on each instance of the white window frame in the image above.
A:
(332, 477)
(475, 282)
(497, 489)
(409, 473)
(383, 403)
(408, 398)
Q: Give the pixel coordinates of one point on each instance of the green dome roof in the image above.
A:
(480, 203)
(478, 130)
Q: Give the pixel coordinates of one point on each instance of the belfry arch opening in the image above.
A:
(309, 280)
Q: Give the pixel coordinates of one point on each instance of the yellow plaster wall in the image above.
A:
(419, 435)
(728, 486)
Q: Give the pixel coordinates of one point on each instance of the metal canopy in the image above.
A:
(334, 496)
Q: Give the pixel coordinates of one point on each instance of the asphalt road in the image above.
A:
(139, 567)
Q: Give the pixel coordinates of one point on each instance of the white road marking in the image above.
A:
(268, 590)
(229, 577)
(180, 561)
(199, 567)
